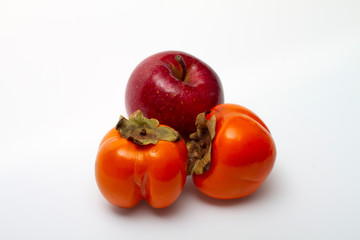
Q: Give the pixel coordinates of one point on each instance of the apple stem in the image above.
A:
(180, 60)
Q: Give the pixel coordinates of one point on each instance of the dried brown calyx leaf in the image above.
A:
(144, 131)
(200, 144)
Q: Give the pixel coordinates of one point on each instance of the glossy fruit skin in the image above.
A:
(154, 87)
(127, 173)
(243, 154)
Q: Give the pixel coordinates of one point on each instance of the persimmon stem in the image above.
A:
(180, 60)
(200, 144)
(143, 131)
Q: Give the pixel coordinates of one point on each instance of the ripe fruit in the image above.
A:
(232, 152)
(140, 159)
(173, 87)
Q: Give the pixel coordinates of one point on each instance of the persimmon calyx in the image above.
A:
(144, 131)
(200, 144)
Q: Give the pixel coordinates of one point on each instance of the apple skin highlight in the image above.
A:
(162, 89)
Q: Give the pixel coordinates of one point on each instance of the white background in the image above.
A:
(64, 66)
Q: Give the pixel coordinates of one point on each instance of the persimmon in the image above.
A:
(141, 159)
(231, 153)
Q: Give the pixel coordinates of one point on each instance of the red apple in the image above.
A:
(173, 87)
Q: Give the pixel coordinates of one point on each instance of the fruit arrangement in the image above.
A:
(179, 127)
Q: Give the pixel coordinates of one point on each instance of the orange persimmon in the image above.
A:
(232, 152)
(140, 159)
